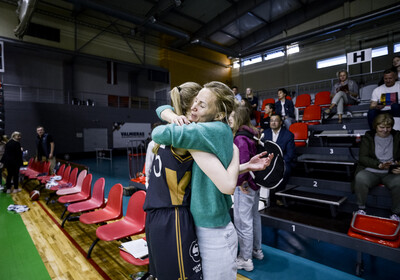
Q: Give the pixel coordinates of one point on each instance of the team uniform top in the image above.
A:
(169, 182)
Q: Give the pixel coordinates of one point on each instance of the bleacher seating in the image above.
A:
(312, 115)
(302, 101)
(267, 101)
(323, 99)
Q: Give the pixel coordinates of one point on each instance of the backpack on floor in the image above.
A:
(271, 176)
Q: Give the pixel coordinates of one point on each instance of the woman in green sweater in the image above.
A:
(210, 205)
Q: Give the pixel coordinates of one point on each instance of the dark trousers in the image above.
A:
(282, 185)
(394, 111)
(12, 173)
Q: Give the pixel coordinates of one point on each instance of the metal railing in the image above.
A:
(317, 86)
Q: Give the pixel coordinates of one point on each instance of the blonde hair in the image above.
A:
(225, 98)
(15, 133)
(385, 119)
(241, 117)
(342, 71)
(181, 99)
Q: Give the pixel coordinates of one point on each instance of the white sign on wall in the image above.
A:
(359, 56)
(125, 132)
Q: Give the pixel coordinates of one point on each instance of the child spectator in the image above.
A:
(268, 111)
(247, 219)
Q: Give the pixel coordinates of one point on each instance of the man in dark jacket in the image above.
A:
(285, 108)
(45, 147)
(285, 139)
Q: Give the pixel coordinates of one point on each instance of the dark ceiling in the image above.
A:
(231, 27)
(236, 28)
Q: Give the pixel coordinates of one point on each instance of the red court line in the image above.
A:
(77, 246)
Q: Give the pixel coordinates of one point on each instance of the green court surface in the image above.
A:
(19, 258)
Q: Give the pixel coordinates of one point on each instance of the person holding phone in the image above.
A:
(378, 163)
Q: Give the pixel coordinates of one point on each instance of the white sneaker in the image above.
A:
(361, 212)
(258, 254)
(246, 265)
(395, 217)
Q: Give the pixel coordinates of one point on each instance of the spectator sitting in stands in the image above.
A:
(378, 103)
(238, 96)
(379, 149)
(395, 67)
(345, 91)
(285, 139)
(254, 104)
(285, 108)
(268, 111)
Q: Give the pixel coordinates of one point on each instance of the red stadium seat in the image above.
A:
(267, 101)
(112, 211)
(133, 223)
(302, 101)
(96, 201)
(312, 115)
(323, 99)
(300, 131)
(77, 188)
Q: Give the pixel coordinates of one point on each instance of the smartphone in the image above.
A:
(393, 166)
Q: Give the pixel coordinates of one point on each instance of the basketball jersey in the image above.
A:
(170, 231)
(169, 182)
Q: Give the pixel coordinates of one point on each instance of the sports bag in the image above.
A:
(271, 176)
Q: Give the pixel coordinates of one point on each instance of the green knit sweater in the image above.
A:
(209, 207)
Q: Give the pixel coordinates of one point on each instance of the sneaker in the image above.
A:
(246, 265)
(258, 254)
(395, 217)
(9, 191)
(361, 212)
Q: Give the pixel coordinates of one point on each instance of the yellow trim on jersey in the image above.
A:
(177, 189)
(181, 158)
(179, 249)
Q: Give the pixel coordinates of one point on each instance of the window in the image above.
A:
(291, 49)
(274, 54)
(331, 61)
(236, 64)
(396, 48)
(252, 60)
(1, 56)
(380, 51)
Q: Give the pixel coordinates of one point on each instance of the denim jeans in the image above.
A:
(247, 221)
(340, 99)
(218, 250)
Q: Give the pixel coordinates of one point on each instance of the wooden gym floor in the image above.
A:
(63, 251)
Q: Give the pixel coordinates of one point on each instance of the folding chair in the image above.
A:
(96, 201)
(112, 211)
(133, 223)
(312, 115)
(323, 99)
(302, 101)
(300, 131)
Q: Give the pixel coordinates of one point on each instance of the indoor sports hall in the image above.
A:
(80, 82)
